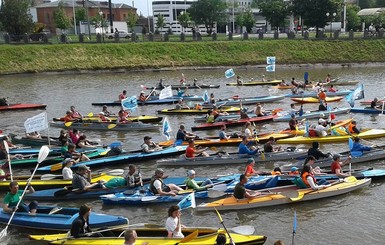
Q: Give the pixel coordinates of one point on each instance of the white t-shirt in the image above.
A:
(157, 184)
(171, 226)
(248, 133)
(67, 173)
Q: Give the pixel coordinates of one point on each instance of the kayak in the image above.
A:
(255, 183)
(369, 102)
(235, 123)
(196, 111)
(368, 134)
(156, 236)
(189, 86)
(335, 82)
(255, 83)
(312, 114)
(55, 218)
(233, 116)
(249, 101)
(366, 110)
(148, 102)
(106, 126)
(315, 95)
(230, 159)
(56, 181)
(22, 107)
(143, 119)
(68, 193)
(123, 158)
(34, 142)
(276, 196)
(215, 141)
(315, 100)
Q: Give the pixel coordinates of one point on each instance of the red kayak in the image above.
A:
(22, 107)
(234, 123)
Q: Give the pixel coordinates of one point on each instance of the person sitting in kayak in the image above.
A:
(69, 117)
(294, 171)
(259, 111)
(243, 113)
(181, 105)
(315, 152)
(283, 83)
(263, 78)
(173, 222)
(149, 146)
(192, 184)
(250, 168)
(76, 114)
(322, 96)
(222, 133)
(183, 135)
(133, 179)
(212, 98)
(328, 78)
(82, 179)
(33, 135)
(239, 81)
(67, 171)
(357, 146)
(103, 117)
(352, 128)
(192, 152)
(83, 142)
(310, 160)
(332, 89)
(322, 128)
(4, 101)
(337, 164)
(309, 179)
(240, 191)
(122, 96)
(72, 153)
(158, 187)
(74, 135)
(293, 123)
(13, 196)
(160, 84)
(268, 146)
(248, 131)
(122, 117)
(106, 112)
(322, 106)
(244, 149)
(373, 103)
(276, 171)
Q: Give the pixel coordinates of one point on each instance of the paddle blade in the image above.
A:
(111, 126)
(68, 124)
(56, 167)
(149, 198)
(3, 233)
(43, 153)
(190, 237)
(215, 194)
(299, 197)
(116, 172)
(90, 114)
(245, 230)
(220, 187)
(350, 179)
(49, 176)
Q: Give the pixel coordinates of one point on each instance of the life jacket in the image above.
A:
(275, 173)
(304, 178)
(312, 133)
(350, 128)
(211, 118)
(152, 187)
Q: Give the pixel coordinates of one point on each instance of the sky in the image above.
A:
(141, 5)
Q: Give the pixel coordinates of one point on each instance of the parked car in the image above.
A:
(122, 34)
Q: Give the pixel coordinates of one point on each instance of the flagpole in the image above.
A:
(294, 226)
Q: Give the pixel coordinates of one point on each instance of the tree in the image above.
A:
(364, 4)
(314, 12)
(246, 19)
(80, 14)
(275, 11)
(15, 17)
(184, 19)
(208, 12)
(160, 22)
(62, 21)
(131, 20)
(352, 19)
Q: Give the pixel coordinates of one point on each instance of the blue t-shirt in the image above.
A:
(180, 135)
(243, 149)
(222, 135)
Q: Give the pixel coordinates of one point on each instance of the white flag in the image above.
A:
(187, 202)
(165, 93)
(166, 128)
(229, 73)
(270, 68)
(36, 123)
(270, 60)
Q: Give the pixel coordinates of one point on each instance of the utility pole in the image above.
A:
(111, 19)
(88, 20)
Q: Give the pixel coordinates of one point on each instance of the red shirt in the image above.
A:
(190, 152)
(335, 165)
(249, 170)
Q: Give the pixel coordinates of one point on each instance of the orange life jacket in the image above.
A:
(350, 128)
(304, 178)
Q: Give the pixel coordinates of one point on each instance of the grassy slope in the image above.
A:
(60, 57)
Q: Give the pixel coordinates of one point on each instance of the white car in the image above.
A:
(122, 34)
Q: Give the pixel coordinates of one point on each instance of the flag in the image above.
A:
(270, 68)
(229, 73)
(166, 128)
(206, 97)
(165, 93)
(295, 222)
(357, 94)
(270, 60)
(130, 103)
(307, 129)
(36, 123)
(187, 202)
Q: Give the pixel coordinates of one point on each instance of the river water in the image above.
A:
(354, 218)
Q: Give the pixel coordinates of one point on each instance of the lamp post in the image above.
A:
(73, 10)
(331, 21)
(101, 23)
(233, 16)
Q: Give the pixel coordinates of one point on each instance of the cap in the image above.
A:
(101, 113)
(142, 92)
(250, 160)
(321, 120)
(190, 172)
(159, 171)
(67, 160)
(293, 169)
(147, 138)
(83, 167)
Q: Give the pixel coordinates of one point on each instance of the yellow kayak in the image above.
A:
(154, 236)
(316, 100)
(144, 119)
(368, 134)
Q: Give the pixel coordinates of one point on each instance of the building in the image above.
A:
(45, 11)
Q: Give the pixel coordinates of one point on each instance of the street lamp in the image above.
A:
(101, 23)
(331, 21)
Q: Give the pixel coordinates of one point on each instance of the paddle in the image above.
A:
(43, 153)
(148, 96)
(224, 227)
(8, 157)
(114, 172)
(90, 114)
(68, 124)
(111, 125)
(245, 230)
(189, 238)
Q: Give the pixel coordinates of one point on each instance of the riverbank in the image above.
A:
(84, 58)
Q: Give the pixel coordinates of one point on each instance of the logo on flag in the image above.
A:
(270, 68)
(357, 94)
(166, 128)
(229, 73)
(130, 103)
(206, 97)
(36, 123)
(165, 93)
(270, 60)
(187, 202)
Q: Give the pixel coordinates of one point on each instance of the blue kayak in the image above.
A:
(315, 95)
(59, 219)
(256, 183)
(125, 158)
(313, 114)
(366, 110)
(148, 102)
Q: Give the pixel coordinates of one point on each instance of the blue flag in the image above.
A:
(307, 129)
(357, 94)
(130, 103)
(206, 97)
(166, 128)
(187, 202)
(229, 73)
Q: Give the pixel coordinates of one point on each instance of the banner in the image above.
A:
(130, 103)
(36, 123)
(357, 94)
(187, 202)
(270, 60)
(166, 128)
(165, 93)
(270, 68)
(229, 73)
